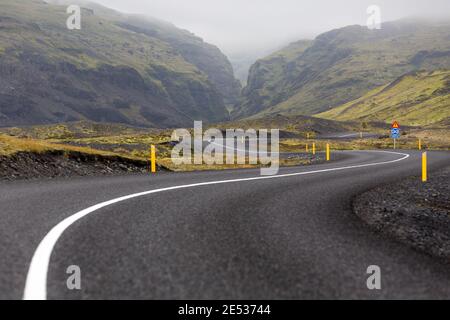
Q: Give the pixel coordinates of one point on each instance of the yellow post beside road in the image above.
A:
(307, 148)
(153, 158)
(328, 152)
(424, 167)
(314, 148)
(420, 144)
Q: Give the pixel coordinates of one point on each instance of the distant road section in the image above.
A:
(349, 136)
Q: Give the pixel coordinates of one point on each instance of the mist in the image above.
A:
(238, 27)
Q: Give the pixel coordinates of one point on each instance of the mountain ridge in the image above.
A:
(341, 65)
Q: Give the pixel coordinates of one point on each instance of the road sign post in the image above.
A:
(395, 133)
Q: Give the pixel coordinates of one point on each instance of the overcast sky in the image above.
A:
(237, 26)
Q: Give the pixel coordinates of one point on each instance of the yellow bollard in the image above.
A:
(307, 148)
(153, 158)
(328, 152)
(420, 144)
(424, 167)
(314, 148)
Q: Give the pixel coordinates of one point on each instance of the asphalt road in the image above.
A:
(289, 237)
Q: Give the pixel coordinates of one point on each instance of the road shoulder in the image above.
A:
(415, 213)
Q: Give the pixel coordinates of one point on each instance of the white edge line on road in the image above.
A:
(36, 282)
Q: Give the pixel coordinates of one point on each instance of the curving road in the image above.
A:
(292, 236)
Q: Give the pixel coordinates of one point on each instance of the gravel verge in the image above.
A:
(416, 213)
(25, 165)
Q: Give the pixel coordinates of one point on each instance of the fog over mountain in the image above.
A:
(238, 26)
(250, 29)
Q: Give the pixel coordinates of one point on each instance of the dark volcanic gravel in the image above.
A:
(25, 165)
(415, 213)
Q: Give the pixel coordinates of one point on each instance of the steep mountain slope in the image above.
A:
(263, 87)
(418, 98)
(342, 65)
(206, 57)
(117, 68)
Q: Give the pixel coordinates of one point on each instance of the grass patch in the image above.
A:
(11, 145)
(420, 98)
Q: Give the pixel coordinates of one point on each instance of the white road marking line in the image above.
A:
(36, 282)
(348, 135)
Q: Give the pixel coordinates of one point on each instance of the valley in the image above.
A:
(147, 73)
